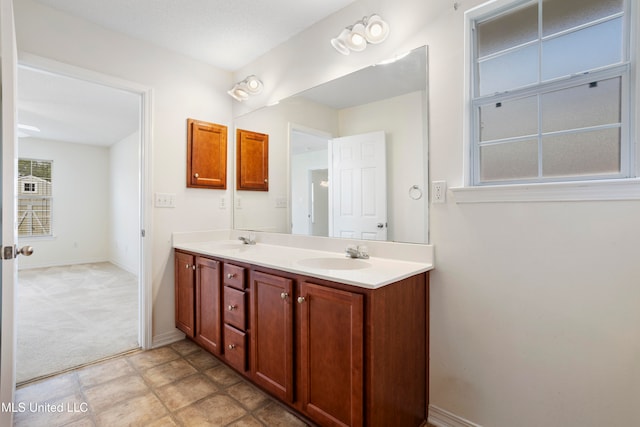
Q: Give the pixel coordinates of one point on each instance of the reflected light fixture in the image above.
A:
(355, 38)
(241, 91)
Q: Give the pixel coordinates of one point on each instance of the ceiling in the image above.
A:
(226, 34)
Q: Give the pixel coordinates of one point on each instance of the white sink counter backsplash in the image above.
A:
(388, 262)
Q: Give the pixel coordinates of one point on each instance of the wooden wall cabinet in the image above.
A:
(252, 161)
(206, 155)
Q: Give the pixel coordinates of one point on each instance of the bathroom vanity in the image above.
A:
(342, 341)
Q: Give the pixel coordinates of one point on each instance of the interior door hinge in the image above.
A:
(142, 233)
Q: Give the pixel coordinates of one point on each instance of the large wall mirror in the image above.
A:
(347, 158)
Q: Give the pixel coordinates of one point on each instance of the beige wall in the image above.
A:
(181, 88)
(534, 307)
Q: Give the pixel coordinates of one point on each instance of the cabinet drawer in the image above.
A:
(234, 308)
(235, 347)
(233, 276)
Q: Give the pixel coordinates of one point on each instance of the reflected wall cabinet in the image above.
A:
(252, 156)
(206, 155)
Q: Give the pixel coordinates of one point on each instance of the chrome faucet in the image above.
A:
(359, 251)
(249, 240)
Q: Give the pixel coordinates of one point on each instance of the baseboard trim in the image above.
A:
(166, 338)
(442, 418)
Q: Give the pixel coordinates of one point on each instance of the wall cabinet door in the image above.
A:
(331, 333)
(272, 334)
(185, 292)
(252, 160)
(206, 155)
(208, 304)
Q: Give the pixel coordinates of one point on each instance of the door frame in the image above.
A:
(145, 318)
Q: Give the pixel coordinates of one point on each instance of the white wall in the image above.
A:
(534, 306)
(301, 166)
(80, 176)
(182, 88)
(124, 203)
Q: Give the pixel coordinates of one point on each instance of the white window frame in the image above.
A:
(33, 194)
(29, 187)
(623, 188)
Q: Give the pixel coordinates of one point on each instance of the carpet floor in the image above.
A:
(73, 315)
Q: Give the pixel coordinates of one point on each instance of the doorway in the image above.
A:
(91, 130)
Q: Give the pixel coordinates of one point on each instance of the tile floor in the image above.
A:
(176, 385)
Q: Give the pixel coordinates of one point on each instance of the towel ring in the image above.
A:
(415, 192)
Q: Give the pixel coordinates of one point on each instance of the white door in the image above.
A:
(358, 187)
(8, 71)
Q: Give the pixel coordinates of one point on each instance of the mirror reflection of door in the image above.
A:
(358, 176)
(319, 202)
(308, 151)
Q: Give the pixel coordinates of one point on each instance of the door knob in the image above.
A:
(25, 250)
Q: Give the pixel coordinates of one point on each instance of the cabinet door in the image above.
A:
(252, 160)
(206, 155)
(208, 301)
(184, 292)
(272, 334)
(331, 354)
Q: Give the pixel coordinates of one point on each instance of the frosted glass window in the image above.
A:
(584, 153)
(510, 161)
(560, 15)
(503, 32)
(583, 50)
(591, 104)
(551, 91)
(509, 71)
(508, 119)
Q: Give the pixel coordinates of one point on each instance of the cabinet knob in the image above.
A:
(284, 295)
(193, 266)
(187, 266)
(266, 180)
(195, 175)
(231, 275)
(232, 307)
(231, 346)
(301, 300)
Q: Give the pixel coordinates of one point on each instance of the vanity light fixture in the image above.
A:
(241, 91)
(355, 38)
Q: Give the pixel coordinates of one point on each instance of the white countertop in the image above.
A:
(371, 273)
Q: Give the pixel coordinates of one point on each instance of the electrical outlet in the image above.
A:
(223, 202)
(438, 191)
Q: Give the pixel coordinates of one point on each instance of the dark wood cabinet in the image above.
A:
(339, 354)
(185, 292)
(235, 316)
(272, 333)
(208, 304)
(252, 161)
(331, 334)
(206, 155)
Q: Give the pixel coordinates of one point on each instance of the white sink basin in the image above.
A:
(334, 263)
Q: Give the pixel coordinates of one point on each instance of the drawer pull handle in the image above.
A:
(231, 346)
(284, 295)
(301, 300)
(232, 307)
(231, 275)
